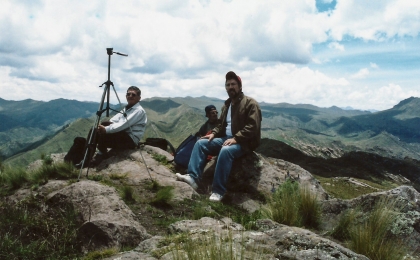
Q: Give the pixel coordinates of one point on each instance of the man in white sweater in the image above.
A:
(124, 130)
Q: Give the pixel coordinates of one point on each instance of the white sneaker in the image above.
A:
(215, 197)
(187, 178)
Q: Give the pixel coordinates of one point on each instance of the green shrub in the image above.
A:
(294, 206)
(101, 254)
(14, 178)
(160, 158)
(46, 159)
(28, 232)
(116, 176)
(53, 171)
(310, 208)
(345, 223)
(373, 237)
(127, 193)
(163, 196)
(212, 247)
(153, 185)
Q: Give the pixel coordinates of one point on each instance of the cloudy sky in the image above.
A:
(361, 54)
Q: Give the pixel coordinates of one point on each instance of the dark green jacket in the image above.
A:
(246, 122)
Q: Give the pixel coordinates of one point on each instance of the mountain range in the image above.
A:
(30, 128)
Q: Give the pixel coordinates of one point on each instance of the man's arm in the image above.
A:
(122, 124)
(252, 123)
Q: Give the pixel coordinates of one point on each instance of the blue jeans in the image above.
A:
(226, 155)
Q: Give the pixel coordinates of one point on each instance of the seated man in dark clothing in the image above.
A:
(124, 130)
(211, 113)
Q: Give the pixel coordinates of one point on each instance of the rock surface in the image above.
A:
(270, 241)
(107, 220)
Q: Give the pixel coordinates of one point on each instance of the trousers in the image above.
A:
(226, 155)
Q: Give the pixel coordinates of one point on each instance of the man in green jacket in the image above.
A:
(238, 132)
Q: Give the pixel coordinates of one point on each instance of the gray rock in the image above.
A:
(139, 166)
(406, 199)
(275, 240)
(107, 221)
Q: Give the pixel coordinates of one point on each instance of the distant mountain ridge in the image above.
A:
(318, 132)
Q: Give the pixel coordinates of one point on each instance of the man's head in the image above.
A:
(133, 95)
(211, 113)
(233, 84)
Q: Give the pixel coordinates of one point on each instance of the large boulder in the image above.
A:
(270, 241)
(253, 174)
(407, 205)
(139, 166)
(107, 220)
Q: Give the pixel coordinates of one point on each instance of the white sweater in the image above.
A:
(134, 124)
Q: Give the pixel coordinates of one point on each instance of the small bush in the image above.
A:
(127, 193)
(28, 232)
(373, 237)
(153, 185)
(14, 178)
(294, 206)
(101, 254)
(346, 222)
(116, 176)
(54, 171)
(160, 158)
(46, 159)
(212, 247)
(310, 208)
(163, 196)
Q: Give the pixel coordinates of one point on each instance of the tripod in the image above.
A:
(91, 142)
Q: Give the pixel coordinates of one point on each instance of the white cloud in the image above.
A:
(54, 49)
(361, 74)
(375, 19)
(336, 45)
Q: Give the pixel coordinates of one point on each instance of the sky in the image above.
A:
(345, 53)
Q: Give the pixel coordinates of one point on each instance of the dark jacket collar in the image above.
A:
(236, 99)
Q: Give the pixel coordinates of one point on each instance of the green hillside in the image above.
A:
(28, 123)
(175, 124)
(317, 132)
(59, 143)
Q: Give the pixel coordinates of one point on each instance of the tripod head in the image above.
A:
(110, 52)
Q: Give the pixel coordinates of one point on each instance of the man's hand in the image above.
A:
(229, 142)
(101, 129)
(210, 137)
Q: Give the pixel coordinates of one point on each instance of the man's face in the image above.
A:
(232, 88)
(212, 115)
(132, 97)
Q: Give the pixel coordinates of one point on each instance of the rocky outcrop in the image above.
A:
(270, 241)
(252, 173)
(107, 221)
(406, 201)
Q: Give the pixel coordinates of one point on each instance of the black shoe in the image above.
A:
(98, 159)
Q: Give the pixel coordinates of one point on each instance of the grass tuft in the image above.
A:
(294, 206)
(116, 176)
(373, 237)
(163, 196)
(28, 232)
(212, 247)
(127, 194)
(345, 223)
(101, 254)
(14, 178)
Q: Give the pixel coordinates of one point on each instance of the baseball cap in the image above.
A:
(232, 75)
(209, 108)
